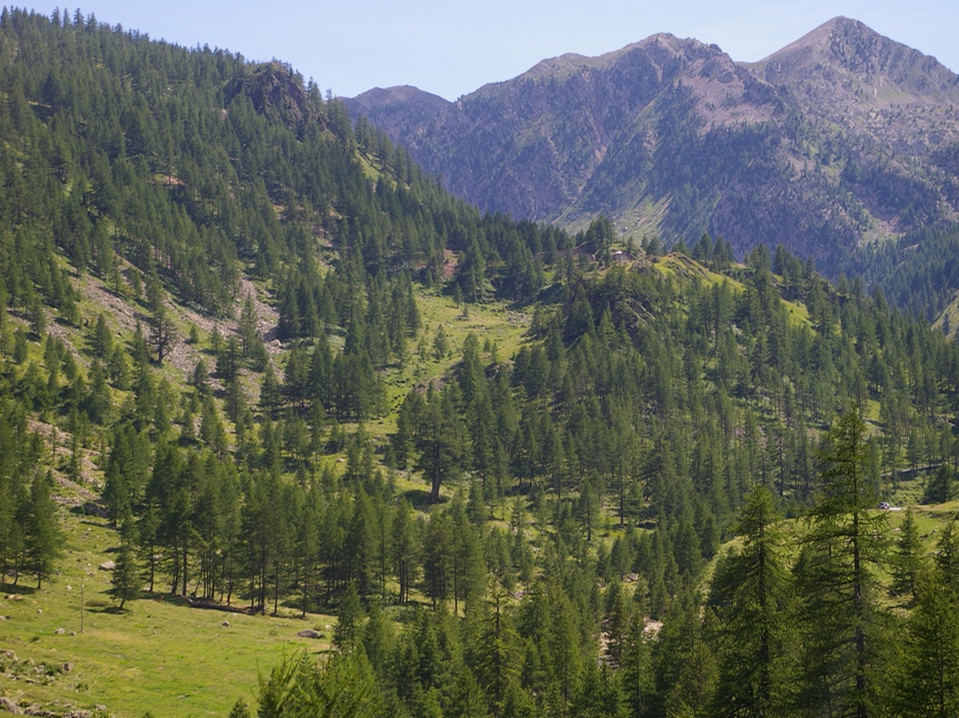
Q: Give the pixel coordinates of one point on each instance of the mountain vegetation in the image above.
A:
(918, 274)
(839, 139)
(530, 472)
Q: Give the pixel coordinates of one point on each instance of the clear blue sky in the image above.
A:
(451, 48)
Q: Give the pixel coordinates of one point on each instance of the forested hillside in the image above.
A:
(918, 274)
(287, 374)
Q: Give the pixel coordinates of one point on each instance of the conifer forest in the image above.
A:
(517, 470)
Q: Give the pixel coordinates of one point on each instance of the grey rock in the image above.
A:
(10, 707)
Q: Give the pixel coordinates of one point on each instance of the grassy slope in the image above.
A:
(164, 657)
(160, 655)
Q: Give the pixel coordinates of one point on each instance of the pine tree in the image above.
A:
(636, 670)
(342, 686)
(348, 631)
(684, 667)
(442, 440)
(379, 638)
(750, 594)
(163, 331)
(240, 710)
(836, 577)
(125, 581)
(102, 340)
(43, 538)
(438, 558)
(495, 656)
(941, 486)
(908, 561)
(404, 545)
(927, 684)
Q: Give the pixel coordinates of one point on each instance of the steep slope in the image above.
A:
(531, 146)
(894, 112)
(841, 137)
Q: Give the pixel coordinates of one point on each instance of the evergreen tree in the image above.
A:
(163, 331)
(684, 667)
(442, 440)
(342, 686)
(496, 658)
(941, 486)
(43, 536)
(908, 560)
(750, 594)
(348, 630)
(404, 543)
(928, 681)
(240, 710)
(438, 559)
(125, 579)
(836, 577)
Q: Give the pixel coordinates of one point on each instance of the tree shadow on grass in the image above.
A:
(110, 609)
(9, 589)
(420, 498)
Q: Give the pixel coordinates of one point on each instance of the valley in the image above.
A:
(262, 374)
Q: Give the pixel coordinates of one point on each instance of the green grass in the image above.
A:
(495, 321)
(158, 656)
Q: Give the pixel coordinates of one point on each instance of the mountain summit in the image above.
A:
(841, 137)
(847, 54)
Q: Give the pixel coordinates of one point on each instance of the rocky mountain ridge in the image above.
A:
(842, 137)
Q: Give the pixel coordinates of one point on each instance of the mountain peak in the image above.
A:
(819, 39)
(823, 33)
(842, 136)
(659, 48)
(399, 108)
(846, 57)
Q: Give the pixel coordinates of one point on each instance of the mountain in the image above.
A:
(253, 360)
(842, 137)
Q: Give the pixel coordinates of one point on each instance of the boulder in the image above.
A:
(108, 566)
(10, 707)
(310, 633)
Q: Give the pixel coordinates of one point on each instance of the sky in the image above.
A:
(451, 48)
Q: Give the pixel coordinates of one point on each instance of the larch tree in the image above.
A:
(908, 560)
(44, 538)
(837, 580)
(927, 683)
(750, 594)
(125, 581)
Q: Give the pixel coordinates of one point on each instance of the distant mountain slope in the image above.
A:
(841, 137)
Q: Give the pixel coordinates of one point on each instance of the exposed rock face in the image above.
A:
(274, 89)
(840, 137)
